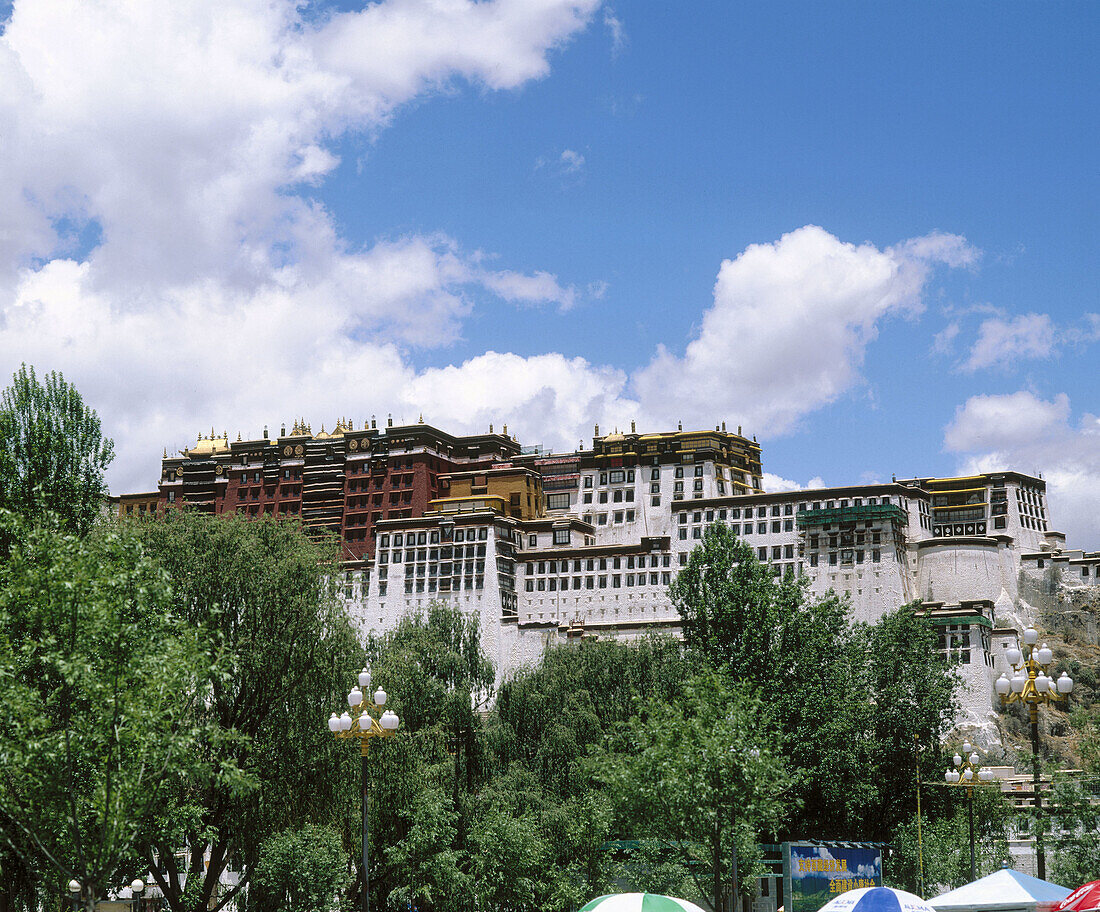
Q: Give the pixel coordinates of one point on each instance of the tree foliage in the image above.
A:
(52, 452)
(302, 870)
(259, 595)
(100, 681)
(870, 694)
(701, 775)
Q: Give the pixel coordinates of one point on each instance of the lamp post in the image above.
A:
(74, 893)
(137, 887)
(364, 727)
(1031, 684)
(965, 772)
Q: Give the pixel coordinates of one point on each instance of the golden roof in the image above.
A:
(208, 446)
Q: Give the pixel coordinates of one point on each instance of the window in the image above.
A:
(788, 525)
(561, 536)
(532, 541)
(697, 532)
(762, 553)
(762, 528)
(618, 516)
(601, 519)
(630, 516)
(655, 501)
(683, 533)
(788, 552)
(698, 484)
(876, 555)
(813, 560)
(603, 478)
(775, 525)
(654, 474)
(735, 513)
(557, 501)
(777, 552)
(588, 481)
(698, 471)
(679, 471)
(603, 496)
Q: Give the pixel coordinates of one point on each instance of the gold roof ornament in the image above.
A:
(420, 420)
(166, 452)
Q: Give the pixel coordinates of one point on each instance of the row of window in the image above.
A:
(617, 581)
(420, 555)
(447, 568)
(479, 533)
(617, 562)
(848, 556)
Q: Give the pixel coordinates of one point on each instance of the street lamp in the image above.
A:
(74, 893)
(1031, 684)
(364, 727)
(965, 772)
(137, 887)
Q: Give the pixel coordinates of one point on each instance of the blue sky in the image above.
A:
(342, 210)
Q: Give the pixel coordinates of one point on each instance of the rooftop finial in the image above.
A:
(633, 429)
(679, 425)
(597, 434)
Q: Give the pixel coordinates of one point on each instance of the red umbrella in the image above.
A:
(1083, 899)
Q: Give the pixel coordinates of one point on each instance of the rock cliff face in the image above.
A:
(1066, 612)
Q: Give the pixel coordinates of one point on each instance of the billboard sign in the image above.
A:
(815, 872)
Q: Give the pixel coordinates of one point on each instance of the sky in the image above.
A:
(866, 233)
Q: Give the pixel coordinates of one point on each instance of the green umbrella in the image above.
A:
(639, 902)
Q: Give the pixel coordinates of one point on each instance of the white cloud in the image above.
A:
(539, 288)
(1024, 432)
(568, 164)
(943, 341)
(789, 327)
(775, 484)
(221, 293)
(571, 161)
(1002, 342)
(188, 135)
(615, 29)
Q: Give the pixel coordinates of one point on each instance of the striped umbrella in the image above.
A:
(639, 902)
(1081, 899)
(876, 899)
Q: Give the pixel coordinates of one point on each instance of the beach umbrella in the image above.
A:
(639, 902)
(876, 899)
(1083, 899)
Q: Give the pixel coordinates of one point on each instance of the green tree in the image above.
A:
(425, 781)
(99, 680)
(867, 692)
(302, 870)
(700, 774)
(944, 849)
(52, 452)
(260, 596)
(913, 688)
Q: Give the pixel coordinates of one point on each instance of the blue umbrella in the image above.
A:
(876, 899)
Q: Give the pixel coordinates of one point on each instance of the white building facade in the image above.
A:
(622, 518)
